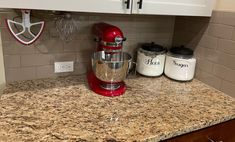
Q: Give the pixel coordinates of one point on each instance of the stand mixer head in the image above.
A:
(110, 65)
(109, 38)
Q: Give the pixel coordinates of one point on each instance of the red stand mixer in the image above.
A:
(110, 65)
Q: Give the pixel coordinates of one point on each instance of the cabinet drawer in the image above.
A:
(224, 132)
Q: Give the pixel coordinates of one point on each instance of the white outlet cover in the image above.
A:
(61, 67)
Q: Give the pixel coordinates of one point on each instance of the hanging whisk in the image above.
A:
(66, 25)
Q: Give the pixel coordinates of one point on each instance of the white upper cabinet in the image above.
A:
(154, 7)
(174, 7)
(100, 6)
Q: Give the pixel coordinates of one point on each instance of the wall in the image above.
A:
(36, 61)
(213, 40)
(2, 71)
(225, 5)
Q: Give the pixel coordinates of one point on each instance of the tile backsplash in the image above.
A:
(213, 40)
(37, 60)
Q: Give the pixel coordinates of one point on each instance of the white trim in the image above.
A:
(2, 69)
(2, 87)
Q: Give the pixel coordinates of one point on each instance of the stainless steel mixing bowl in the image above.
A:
(111, 67)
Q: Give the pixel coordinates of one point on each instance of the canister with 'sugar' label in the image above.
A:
(180, 64)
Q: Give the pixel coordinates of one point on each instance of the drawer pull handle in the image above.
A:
(140, 2)
(212, 140)
(127, 2)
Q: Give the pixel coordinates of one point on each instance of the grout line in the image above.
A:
(223, 24)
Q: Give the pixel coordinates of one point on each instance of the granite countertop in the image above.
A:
(152, 109)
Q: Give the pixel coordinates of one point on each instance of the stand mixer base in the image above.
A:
(97, 87)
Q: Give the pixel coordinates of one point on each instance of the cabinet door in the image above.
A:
(100, 6)
(223, 132)
(174, 7)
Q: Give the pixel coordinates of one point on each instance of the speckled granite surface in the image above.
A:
(64, 109)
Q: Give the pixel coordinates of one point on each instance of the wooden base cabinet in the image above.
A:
(224, 132)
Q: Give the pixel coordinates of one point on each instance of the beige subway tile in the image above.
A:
(81, 68)
(196, 19)
(94, 19)
(53, 33)
(16, 74)
(36, 60)
(154, 37)
(197, 52)
(205, 65)
(191, 25)
(208, 41)
(161, 41)
(233, 34)
(227, 46)
(83, 25)
(61, 57)
(209, 79)
(117, 20)
(228, 88)
(197, 73)
(83, 57)
(156, 30)
(83, 36)
(72, 45)
(80, 45)
(50, 27)
(45, 71)
(226, 60)
(181, 24)
(44, 36)
(194, 42)
(6, 35)
(161, 21)
(196, 26)
(148, 37)
(209, 54)
(12, 61)
(3, 17)
(224, 73)
(185, 38)
(121, 22)
(222, 31)
(222, 17)
(49, 46)
(132, 47)
(216, 17)
(130, 35)
(7, 14)
(88, 46)
(217, 57)
(14, 47)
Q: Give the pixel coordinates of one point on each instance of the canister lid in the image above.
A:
(181, 52)
(152, 47)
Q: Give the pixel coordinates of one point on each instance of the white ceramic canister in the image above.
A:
(180, 64)
(151, 59)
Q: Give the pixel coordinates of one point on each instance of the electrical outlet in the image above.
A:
(64, 67)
